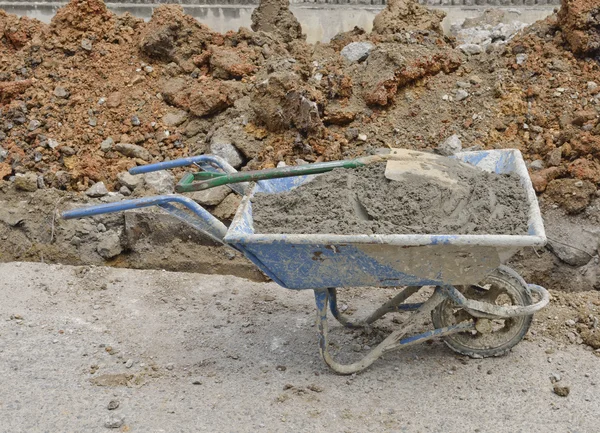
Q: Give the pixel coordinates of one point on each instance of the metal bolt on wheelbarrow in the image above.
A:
(479, 306)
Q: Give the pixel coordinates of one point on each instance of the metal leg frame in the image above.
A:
(393, 305)
(393, 341)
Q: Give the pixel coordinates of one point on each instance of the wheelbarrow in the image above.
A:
(480, 307)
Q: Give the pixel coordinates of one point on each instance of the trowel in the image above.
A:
(402, 164)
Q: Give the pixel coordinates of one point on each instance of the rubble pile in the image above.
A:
(92, 94)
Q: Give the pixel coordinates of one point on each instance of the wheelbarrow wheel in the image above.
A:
(491, 337)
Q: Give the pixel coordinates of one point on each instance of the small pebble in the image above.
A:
(129, 363)
(461, 95)
(113, 404)
(561, 390)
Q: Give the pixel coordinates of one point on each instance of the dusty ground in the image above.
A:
(215, 353)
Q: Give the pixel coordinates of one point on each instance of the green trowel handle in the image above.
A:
(187, 183)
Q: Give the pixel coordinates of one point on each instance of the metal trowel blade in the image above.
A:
(405, 164)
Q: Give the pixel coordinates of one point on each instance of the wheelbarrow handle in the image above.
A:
(183, 162)
(208, 163)
(199, 218)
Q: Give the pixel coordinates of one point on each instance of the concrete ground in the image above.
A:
(182, 352)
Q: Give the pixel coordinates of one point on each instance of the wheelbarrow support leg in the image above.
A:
(393, 305)
(393, 341)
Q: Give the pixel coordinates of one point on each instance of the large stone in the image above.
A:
(227, 208)
(109, 245)
(129, 180)
(226, 151)
(571, 254)
(163, 182)
(212, 196)
(97, 190)
(175, 118)
(450, 146)
(570, 242)
(357, 51)
(201, 98)
(26, 182)
(230, 63)
(133, 151)
(3, 154)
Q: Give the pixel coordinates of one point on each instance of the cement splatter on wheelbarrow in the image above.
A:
(364, 201)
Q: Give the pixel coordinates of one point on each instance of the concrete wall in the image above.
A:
(508, 3)
(319, 22)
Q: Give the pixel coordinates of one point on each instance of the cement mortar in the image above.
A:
(363, 201)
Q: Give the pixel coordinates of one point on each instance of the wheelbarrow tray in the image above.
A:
(315, 261)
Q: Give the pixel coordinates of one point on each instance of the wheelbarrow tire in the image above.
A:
(506, 283)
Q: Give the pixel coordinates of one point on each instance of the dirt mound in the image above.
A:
(88, 19)
(389, 69)
(580, 23)
(407, 15)
(16, 32)
(79, 93)
(172, 36)
(274, 16)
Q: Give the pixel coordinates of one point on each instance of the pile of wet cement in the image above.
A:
(363, 201)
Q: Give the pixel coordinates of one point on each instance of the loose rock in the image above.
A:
(86, 44)
(107, 144)
(97, 190)
(471, 49)
(461, 94)
(561, 390)
(227, 208)
(357, 51)
(113, 404)
(109, 245)
(26, 182)
(212, 196)
(61, 92)
(114, 421)
(133, 151)
(163, 182)
(129, 180)
(175, 118)
(227, 151)
(450, 146)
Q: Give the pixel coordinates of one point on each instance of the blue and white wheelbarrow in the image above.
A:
(480, 307)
